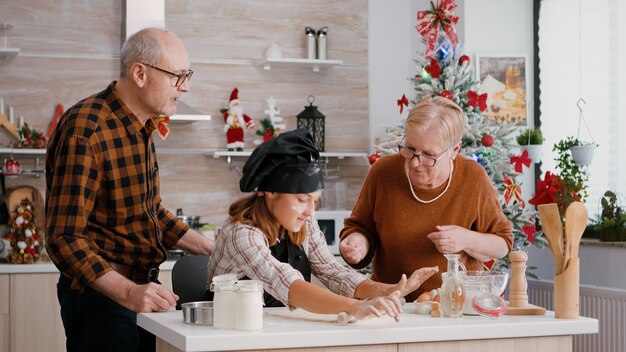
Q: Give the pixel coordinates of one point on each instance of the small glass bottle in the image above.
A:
(452, 291)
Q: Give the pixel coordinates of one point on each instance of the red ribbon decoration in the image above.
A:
(530, 231)
(520, 161)
(547, 189)
(488, 265)
(439, 17)
(434, 70)
(474, 98)
(161, 123)
(512, 191)
(403, 102)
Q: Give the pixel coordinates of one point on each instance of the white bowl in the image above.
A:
(423, 308)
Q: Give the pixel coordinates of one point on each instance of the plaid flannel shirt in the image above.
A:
(102, 192)
(244, 250)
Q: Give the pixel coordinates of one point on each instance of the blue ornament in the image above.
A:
(444, 48)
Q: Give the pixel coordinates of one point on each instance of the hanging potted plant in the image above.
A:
(582, 152)
(531, 140)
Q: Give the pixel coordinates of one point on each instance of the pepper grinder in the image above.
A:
(518, 297)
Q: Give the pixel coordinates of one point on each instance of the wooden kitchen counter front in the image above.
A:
(30, 315)
(413, 333)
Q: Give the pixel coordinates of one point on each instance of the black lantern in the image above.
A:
(313, 120)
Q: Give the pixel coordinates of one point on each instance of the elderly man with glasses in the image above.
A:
(424, 202)
(107, 231)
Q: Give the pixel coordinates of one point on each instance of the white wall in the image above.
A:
(390, 62)
(393, 47)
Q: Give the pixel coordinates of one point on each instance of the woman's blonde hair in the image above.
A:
(441, 111)
(253, 211)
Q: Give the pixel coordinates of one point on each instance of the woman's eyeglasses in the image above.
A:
(425, 160)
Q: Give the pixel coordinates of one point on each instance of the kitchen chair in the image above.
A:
(189, 279)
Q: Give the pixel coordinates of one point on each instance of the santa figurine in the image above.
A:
(235, 119)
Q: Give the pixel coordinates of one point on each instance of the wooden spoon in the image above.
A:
(576, 217)
(552, 227)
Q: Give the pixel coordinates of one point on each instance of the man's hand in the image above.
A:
(354, 248)
(150, 297)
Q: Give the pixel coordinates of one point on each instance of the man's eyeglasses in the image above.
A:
(426, 160)
(180, 77)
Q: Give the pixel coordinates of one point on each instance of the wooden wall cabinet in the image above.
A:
(30, 317)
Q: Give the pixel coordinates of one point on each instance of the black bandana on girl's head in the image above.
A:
(288, 163)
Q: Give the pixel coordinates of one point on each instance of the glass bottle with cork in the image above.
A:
(452, 291)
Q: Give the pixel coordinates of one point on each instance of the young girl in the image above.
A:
(272, 236)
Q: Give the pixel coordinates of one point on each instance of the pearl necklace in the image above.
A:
(440, 194)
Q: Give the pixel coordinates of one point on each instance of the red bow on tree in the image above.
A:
(403, 102)
(530, 231)
(439, 17)
(512, 191)
(547, 189)
(161, 123)
(520, 161)
(474, 98)
(488, 265)
(434, 70)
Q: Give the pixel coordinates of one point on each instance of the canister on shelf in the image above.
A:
(310, 43)
(322, 34)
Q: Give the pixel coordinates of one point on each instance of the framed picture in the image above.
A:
(504, 79)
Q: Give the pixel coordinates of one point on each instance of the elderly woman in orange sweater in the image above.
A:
(424, 202)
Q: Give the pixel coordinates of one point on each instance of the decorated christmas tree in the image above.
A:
(443, 71)
(271, 124)
(24, 235)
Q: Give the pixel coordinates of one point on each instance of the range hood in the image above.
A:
(184, 112)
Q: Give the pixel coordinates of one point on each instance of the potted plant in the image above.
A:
(582, 153)
(611, 223)
(531, 139)
(565, 187)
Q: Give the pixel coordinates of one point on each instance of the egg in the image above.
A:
(426, 296)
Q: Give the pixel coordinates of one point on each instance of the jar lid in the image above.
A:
(223, 282)
(249, 286)
(489, 304)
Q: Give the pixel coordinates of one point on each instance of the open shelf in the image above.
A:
(313, 63)
(187, 114)
(22, 151)
(246, 153)
(182, 118)
(8, 53)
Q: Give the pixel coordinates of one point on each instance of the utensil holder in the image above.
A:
(566, 291)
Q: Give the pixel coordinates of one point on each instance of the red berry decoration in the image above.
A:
(463, 59)
(446, 94)
(372, 158)
(487, 140)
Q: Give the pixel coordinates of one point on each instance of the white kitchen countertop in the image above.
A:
(282, 332)
(48, 267)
